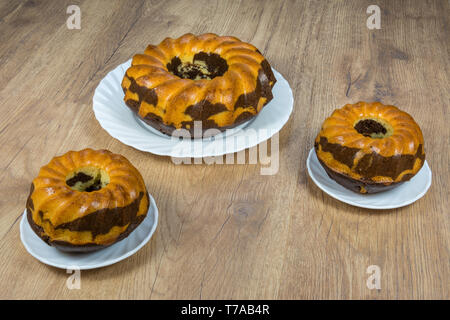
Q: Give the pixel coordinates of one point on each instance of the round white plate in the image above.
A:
(400, 196)
(121, 123)
(101, 258)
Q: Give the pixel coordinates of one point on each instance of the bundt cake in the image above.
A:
(86, 200)
(370, 147)
(218, 82)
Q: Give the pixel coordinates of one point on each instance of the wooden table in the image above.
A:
(226, 231)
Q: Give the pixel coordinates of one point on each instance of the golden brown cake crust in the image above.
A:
(369, 147)
(72, 219)
(218, 80)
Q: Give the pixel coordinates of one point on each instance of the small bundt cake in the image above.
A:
(217, 81)
(370, 147)
(86, 200)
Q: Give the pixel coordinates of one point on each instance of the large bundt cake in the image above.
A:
(219, 82)
(86, 200)
(370, 147)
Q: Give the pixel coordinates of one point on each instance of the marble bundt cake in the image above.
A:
(86, 200)
(218, 81)
(370, 147)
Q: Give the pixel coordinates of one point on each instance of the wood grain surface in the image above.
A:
(226, 231)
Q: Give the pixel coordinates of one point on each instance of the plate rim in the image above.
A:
(153, 209)
(124, 140)
(356, 204)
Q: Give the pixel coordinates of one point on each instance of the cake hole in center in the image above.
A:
(203, 66)
(373, 128)
(87, 179)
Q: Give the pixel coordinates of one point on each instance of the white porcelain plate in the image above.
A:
(101, 258)
(121, 123)
(403, 195)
